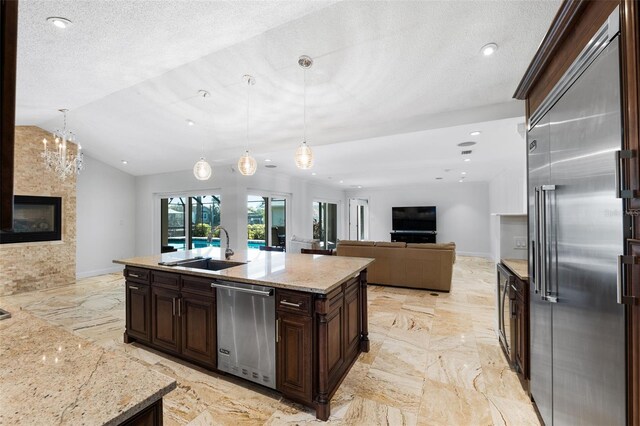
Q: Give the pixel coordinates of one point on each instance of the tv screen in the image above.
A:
(414, 218)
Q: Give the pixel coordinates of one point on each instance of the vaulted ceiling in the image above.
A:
(129, 72)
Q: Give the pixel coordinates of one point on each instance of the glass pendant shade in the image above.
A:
(247, 164)
(202, 169)
(304, 156)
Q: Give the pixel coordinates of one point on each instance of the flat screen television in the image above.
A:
(414, 218)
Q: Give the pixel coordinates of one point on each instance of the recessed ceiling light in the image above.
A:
(190, 122)
(59, 22)
(468, 143)
(467, 159)
(489, 49)
(341, 181)
(313, 174)
(461, 180)
(463, 173)
(267, 160)
(359, 186)
(125, 162)
(475, 133)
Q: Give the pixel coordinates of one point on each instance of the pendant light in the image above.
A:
(247, 165)
(304, 155)
(202, 169)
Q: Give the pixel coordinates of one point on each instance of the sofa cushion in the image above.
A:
(387, 244)
(356, 243)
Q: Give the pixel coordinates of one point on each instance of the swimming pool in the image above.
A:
(200, 242)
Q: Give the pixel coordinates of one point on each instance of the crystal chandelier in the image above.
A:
(59, 159)
(247, 165)
(304, 155)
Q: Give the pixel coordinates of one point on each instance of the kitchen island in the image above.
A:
(309, 314)
(50, 376)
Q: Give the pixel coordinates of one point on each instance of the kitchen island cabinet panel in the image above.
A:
(138, 311)
(295, 364)
(198, 317)
(165, 319)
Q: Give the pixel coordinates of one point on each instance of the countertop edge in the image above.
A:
(152, 399)
(509, 264)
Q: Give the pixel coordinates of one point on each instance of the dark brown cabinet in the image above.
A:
(294, 377)
(198, 318)
(520, 314)
(164, 318)
(138, 311)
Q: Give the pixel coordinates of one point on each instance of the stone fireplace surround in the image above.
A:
(39, 265)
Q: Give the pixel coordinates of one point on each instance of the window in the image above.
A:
(189, 222)
(325, 223)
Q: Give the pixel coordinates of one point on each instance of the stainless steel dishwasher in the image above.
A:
(246, 331)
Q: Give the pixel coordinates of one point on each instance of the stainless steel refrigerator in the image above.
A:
(576, 237)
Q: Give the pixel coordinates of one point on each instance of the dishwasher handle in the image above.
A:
(265, 293)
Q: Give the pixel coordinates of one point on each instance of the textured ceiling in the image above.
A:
(129, 72)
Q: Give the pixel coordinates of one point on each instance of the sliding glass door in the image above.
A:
(189, 222)
(266, 221)
(325, 223)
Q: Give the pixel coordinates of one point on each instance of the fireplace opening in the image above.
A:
(35, 219)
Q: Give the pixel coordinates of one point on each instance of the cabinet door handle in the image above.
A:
(294, 305)
(180, 307)
(132, 287)
(173, 305)
(277, 330)
(131, 274)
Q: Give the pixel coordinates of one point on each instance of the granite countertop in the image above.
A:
(302, 272)
(50, 376)
(518, 266)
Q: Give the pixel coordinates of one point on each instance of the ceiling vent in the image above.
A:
(466, 152)
(270, 166)
(468, 143)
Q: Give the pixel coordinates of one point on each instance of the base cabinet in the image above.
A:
(294, 377)
(198, 318)
(138, 311)
(164, 317)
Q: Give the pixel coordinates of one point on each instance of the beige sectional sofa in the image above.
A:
(422, 266)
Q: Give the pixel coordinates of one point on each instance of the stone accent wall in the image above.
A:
(35, 266)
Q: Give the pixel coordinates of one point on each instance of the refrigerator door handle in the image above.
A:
(535, 246)
(621, 283)
(546, 294)
(620, 156)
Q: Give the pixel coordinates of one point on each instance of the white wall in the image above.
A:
(105, 218)
(507, 195)
(233, 189)
(462, 212)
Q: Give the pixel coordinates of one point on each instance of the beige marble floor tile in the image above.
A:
(507, 412)
(364, 412)
(407, 360)
(455, 369)
(392, 389)
(503, 382)
(445, 404)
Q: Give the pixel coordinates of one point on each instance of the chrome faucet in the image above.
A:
(228, 252)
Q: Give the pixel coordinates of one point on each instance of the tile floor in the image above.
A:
(434, 360)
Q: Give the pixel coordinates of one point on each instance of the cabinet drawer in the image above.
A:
(165, 279)
(136, 274)
(294, 302)
(198, 285)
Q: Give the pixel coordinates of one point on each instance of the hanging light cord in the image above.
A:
(304, 103)
(248, 101)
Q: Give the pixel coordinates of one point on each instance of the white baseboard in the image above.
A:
(110, 270)
(474, 254)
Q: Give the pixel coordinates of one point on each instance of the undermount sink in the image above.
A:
(204, 263)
